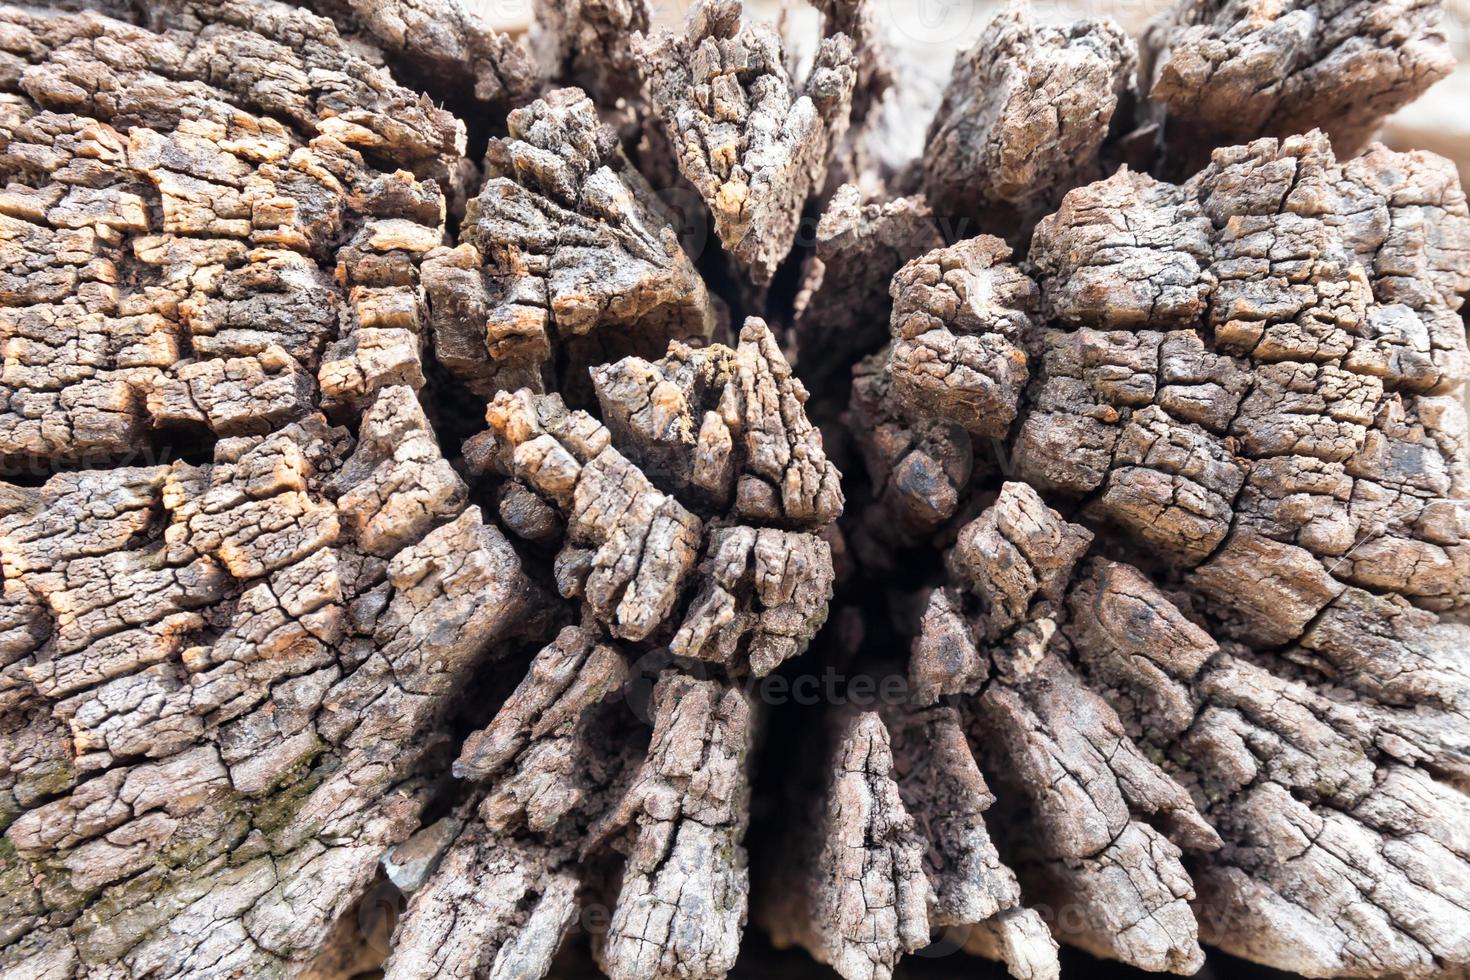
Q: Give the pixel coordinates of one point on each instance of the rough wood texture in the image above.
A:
(1245, 383)
(844, 301)
(444, 45)
(585, 43)
(1322, 414)
(176, 222)
(851, 888)
(566, 260)
(1024, 118)
(232, 658)
(960, 319)
(725, 433)
(1157, 516)
(1229, 71)
(751, 140)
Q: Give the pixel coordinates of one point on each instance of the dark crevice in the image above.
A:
(158, 447)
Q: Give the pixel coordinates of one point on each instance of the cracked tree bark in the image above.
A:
(1156, 502)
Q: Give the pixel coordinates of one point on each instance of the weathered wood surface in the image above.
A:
(397, 505)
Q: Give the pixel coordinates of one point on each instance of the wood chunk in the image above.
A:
(1024, 117)
(1021, 940)
(1288, 422)
(945, 657)
(787, 477)
(1015, 556)
(1223, 73)
(1314, 814)
(970, 886)
(961, 319)
(855, 892)
(640, 543)
(723, 429)
(753, 141)
(682, 903)
(396, 485)
(446, 46)
(765, 593)
(495, 906)
(536, 750)
(219, 650)
(1390, 651)
(727, 426)
(576, 258)
(1090, 791)
(1132, 637)
(918, 468)
(1172, 486)
(191, 228)
(1267, 592)
(324, 85)
(844, 300)
(585, 43)
(855, 20)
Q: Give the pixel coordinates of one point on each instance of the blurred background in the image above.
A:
(929, 33)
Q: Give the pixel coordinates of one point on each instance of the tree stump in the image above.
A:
(433, 463)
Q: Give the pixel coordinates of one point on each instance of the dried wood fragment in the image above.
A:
(961, 319)
(270, 256)
(566, 260)
(855, 20)
(246, 691)
(1314, 437)
(1224, 382)
(1103, 826)
(919, 469)
(717, 431)
(857, 155)
(1220, 73)
(585, 43)
(493, 907)
(1024, 118)
(851, 888)
(1329, 776)
(221, 705)
(973, 894)
(751, 140)
(445, 46)
(844, 301)
(682, 904)
(564, 778)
